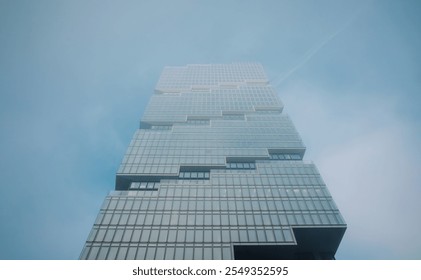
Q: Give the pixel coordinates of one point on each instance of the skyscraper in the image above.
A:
(216, 171)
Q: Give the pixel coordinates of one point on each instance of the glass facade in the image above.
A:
(216, 171)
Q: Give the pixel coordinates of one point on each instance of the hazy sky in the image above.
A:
(75, 77)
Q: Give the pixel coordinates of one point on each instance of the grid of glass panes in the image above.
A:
(227, 209)
(144, 185)
(175, 108)
(182, 78)
(196, 175)
(241, 165)
(162, 152)
(283, 156)
(228, 121)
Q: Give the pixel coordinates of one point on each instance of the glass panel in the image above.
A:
(100, 235)
(107, 219)
(109, 235)
(269, 235)
(169, 253)
(199, 219)
(208, 220)
(127, 235)
(198, 236)
(287, 235)
(208, 236)
(261, 235)
(165, 219)
(249, 220)
(291, 219)
(145, 235)
(181, 234)
(316, 219)
(118, 235)
(150, 254)
(163, 235)
(216, 220)
(136, 235)
(198, 253)
(112, 254)
(226, 253)
(157, 219)
(278, 235)
(122, 253)
(160, 253)
(148, 219)
(324, 219)
(182, 220)
(188, 253)
(266, 220)
(234, 236)
(217, 254)
(207, 253)
(102, 253)
(216, 236)
(224, 220)
(243, 235)
(190, 236)
(233, 220)
(172, 234)
(241, 220)
(131, 253)
(179, 253)
(252, 235)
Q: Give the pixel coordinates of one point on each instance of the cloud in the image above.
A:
(367, 155)
(317, 47)
(375, 177)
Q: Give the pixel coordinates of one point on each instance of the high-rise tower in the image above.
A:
(216, 171)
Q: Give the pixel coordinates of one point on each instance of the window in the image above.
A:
(198, 122)
(241, 165)
(161, 127)
(233, 117)
(282, 156)
(151, 186)
(194, 175)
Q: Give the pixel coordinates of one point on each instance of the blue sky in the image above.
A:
(75, 77)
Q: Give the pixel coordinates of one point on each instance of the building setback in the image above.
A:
(216, 171)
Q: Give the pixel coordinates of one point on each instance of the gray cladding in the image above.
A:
(215, 171)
